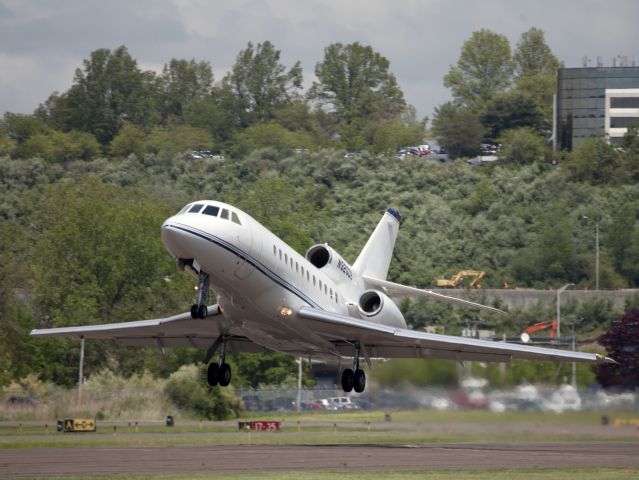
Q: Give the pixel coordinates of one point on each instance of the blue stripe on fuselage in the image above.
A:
(247, 258)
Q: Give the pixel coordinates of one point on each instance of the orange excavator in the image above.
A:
(552, 325)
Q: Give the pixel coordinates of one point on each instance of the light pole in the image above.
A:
(574, 341)
(559, 309)
(596, 251)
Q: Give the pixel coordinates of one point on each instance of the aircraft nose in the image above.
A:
(171, 237)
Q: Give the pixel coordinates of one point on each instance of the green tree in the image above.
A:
(356, 83)
(273, 135)
(129, 140)
(523, 147)
(186, 390)
(209, 114)
(182, 83)
(108, 91)
(536, 71)
(511, 110)
(458, 129)
(386, 136)
(533, 56)
(258, 84)
(19, 127)
(484, 68)
(174, 139)
(622, 239)
(597, 162)
(60, 147)
(99, 259)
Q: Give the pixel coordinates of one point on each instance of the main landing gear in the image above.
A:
(355, 378)
(199, 310)
(218, 373)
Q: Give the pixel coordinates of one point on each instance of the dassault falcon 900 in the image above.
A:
(269, 297)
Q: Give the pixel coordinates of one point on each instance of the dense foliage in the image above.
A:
(622, 341)
(86, 181)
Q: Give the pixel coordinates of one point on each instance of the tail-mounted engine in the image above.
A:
(375, 305)
(331, 263)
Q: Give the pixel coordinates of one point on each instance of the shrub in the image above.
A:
(188, 390)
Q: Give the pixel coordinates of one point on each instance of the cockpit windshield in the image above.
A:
(212, 211)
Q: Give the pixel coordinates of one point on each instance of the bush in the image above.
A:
(187, 390)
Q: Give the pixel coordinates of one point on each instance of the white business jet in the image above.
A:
(269, 297)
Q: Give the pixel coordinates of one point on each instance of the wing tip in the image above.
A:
(606, 360)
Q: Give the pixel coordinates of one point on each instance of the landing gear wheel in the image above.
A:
(225, 374)
(213, 374)
(194, 308)
(202, 311)
(359, 380)
(347, 380)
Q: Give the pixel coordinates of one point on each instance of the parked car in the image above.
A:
(342, 403)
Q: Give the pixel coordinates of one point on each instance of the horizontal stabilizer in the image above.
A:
(398, 290)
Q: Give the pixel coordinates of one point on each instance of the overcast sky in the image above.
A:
(42, 42)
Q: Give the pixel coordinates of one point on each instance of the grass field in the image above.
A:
(406, 427)
(351, 428)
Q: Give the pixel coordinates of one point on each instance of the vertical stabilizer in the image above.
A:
(374, 259)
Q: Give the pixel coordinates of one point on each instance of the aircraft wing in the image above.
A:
(398, 290)
(381, 341)
(176, 331)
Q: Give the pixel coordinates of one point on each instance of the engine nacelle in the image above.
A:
(331, 263)
(376, 306)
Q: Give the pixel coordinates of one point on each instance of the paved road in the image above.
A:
(43, 462)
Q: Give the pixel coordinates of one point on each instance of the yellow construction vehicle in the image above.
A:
(458, 280)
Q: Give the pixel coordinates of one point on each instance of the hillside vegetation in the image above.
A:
(88, 178)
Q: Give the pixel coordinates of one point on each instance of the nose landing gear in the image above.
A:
(199, 310)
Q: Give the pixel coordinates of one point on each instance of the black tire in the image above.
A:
(202, 311)
(359, 380)
(213, 374)
(194, 311)
(225, 374)
(347, 380)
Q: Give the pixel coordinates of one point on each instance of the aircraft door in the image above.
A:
(251, 246)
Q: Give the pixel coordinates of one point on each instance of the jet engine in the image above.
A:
(331, 263)
(376, 306)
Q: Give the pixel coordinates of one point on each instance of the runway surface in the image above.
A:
(43, 462)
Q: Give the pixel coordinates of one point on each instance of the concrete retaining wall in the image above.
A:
(525, 298)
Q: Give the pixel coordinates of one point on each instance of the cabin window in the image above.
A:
(336, 301)
(285, 258)
(274, 250)
(308, 276)
(320, 285)
(196, 208)
(211, 210)
(331, 291)
(225, 214)
(235, 218)
(313, 280)
(325, 290)
(291, 262)
(297, 267)
(280, 254)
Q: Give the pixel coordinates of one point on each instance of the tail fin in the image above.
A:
(374, 259)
